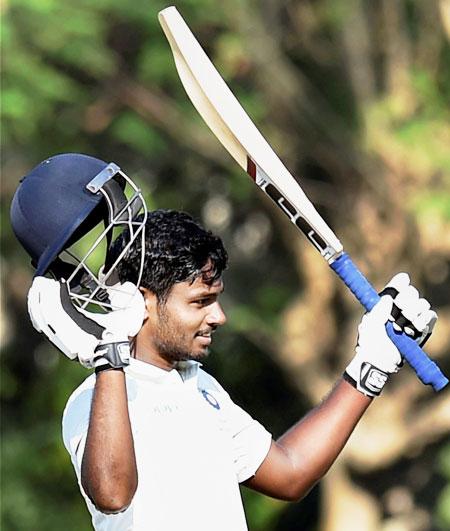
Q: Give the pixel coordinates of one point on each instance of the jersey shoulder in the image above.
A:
(209, 383)
(86, 386)
(77, 410)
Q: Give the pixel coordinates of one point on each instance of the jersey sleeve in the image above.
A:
(75, 426)
(249, 439)
(75, 423)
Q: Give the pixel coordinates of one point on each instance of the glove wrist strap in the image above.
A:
(116, 355)
(107, 367)
(366, 378)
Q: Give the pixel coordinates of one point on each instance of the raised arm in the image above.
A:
(108, 470)
(100, 340)
(300, 457)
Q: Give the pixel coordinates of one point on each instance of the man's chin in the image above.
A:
(199, 354)
(195, 355)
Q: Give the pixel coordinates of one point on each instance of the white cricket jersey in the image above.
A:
(193, 447)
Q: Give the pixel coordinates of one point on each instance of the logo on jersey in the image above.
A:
(210, 399)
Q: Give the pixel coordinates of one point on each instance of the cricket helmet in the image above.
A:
(59, 202)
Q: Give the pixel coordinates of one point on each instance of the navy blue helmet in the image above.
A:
(61, 200)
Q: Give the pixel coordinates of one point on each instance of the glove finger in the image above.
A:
(412, 313)
(382, 310)
(423, 305)
(375, 319)
(127, 316)
(134, 306)
(403, 324)
(399, 282)
(408, 302)
(122, 295)
(426, 321)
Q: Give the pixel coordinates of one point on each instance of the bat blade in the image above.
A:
(225, 116)
(232, 126)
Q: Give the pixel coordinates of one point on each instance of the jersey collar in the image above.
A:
(185, 372)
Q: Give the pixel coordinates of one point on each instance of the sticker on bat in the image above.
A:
(260, 178)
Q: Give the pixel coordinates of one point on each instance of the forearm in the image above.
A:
(298, 459)
(313, 444)
(304, 454)
(108, 471)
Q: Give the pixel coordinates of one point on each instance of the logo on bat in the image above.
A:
(261, 179)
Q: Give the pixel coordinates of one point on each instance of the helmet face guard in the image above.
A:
(85, 286)
(54, 213)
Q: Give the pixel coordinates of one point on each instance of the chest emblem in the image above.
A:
(210, 399)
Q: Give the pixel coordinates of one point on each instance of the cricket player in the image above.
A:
(155, 441)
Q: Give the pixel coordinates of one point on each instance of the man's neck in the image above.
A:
(146, 353)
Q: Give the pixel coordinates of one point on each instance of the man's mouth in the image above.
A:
(204, 337)
(204, 340)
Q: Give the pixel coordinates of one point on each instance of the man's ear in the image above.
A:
(150, 300)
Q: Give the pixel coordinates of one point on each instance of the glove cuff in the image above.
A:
(107, 367)
(366, 378)
(116, 355)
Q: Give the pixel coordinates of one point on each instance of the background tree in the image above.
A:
(354, 97)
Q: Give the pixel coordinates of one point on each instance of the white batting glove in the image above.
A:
(410, 313)
(376, 355)
(94, 339)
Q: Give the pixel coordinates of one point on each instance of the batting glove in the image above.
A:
(376, 356)
(93, 339)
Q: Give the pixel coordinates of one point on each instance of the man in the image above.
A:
(155, 441)
(171, 454)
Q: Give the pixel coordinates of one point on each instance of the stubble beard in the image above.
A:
(173, 344)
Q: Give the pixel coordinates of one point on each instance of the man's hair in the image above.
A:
(177, 249)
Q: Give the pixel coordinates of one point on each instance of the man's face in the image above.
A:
(181, 328)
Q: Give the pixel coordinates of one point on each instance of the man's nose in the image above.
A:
(216, 315)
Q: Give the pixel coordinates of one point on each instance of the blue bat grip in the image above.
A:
(427, 371)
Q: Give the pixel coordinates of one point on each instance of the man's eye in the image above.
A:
(202, 302)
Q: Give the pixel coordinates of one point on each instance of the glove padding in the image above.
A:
(92, 338)
(376, 355)
(410, 313)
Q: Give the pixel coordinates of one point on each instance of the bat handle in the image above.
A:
(427, 371)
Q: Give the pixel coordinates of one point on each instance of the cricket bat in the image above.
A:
(226, 118)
